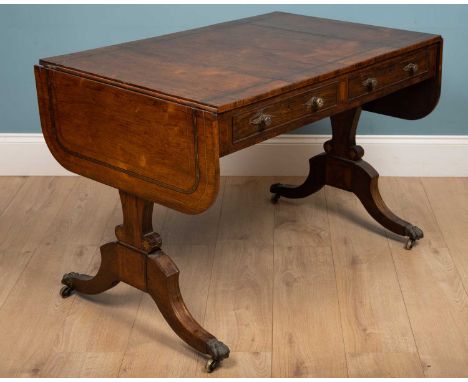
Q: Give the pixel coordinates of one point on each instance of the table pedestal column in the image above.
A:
(341, 166)
(137, 259)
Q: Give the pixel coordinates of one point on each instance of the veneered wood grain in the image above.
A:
(108, 150)
(389, 73)
(152, 117)
(195, 258)
(161, 146)
(399, 92)
(417, 101)
(91, 117)
(153, 348)
(284, 111)
(346, 30)
(232, 64)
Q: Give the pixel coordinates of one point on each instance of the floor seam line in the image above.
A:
(13, 197)
(443, 237)
(336, 282)
(130, 334)
(404, 304)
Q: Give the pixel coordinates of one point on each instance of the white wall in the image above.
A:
(27, 154)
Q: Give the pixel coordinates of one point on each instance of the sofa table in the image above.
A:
(152, 118)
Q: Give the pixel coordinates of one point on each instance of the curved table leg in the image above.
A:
(163, 286)
(314, 182)
(341, 166)
(136, 259)
(106, 277)
(366, 187)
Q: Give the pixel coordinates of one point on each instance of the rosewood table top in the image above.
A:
(152, 118)
(235, 63)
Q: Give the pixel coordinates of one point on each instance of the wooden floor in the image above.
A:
(312, 287)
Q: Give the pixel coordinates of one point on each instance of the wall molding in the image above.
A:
(286, 155)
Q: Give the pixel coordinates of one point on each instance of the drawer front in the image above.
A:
(388, 73)
(270, 116)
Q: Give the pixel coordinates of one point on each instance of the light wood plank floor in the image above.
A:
(310, 287)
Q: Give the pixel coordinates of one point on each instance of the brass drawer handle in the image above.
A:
(370, 83)
(261, 120)
(315, 103)
(411, 68)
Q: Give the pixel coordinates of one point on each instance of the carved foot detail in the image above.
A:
(217, 349)
(69, 278)
(293, 192)
(106, 277)
(218, 352)
(313, 183)
(414, 233)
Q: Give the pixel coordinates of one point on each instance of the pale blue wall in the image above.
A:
(28, 33)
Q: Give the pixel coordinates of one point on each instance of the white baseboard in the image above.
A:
(27, 154)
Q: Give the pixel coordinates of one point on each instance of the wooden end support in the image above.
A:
(137, 259)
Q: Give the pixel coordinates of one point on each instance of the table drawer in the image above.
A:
(387, 73)
(272, 115)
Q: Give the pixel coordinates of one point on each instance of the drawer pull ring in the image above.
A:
(370, 83)
(315, 103)
(261, 120)
(411, 68)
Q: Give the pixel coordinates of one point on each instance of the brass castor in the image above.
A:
(410, 243)
(218, 351)
(275, 198)
(66, 291)
(212, 364)
(414, 233)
